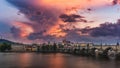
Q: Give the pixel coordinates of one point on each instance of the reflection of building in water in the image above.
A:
(58, 62)
(24, 59)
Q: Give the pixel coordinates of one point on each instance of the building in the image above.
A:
(83, 45)
(34, 48)
(18, 48)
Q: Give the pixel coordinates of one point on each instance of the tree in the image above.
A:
(5, 47)
(54, 47)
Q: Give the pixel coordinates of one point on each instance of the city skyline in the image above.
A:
(30, 21)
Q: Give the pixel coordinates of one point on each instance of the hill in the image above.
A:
(6, 41)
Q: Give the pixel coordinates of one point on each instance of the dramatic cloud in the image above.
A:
(72, 18)
(16, 32)
(21, 29)
(35, 36)
(48, 19)
(73, 3)
(42, 18)
(116, 2)
(107, 29)
(104, 30)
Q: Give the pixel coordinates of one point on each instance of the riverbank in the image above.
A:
(102, 56)
(87, 50)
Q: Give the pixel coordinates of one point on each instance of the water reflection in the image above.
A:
(33, 60)
(56, 62)
(24, 60)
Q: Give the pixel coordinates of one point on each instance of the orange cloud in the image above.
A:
(56, 30)
(72, 6)
(68, 7)
(65, 6)
(25, 30)
(73, 3)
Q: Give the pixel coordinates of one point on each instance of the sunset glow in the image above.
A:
(25, 30)
(74, 3)
(77, 20)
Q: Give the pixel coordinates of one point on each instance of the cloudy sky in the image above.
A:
(31, 21)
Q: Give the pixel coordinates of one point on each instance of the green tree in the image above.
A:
(5, 47)
(54, 47)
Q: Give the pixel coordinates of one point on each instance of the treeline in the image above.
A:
(48, 48)
(5, 47)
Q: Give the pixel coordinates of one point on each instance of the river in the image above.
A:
(53, 60)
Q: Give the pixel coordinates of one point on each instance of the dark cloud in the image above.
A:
(72, 18)
(114, 2)
(16, 32)
(106, 29)
(34, 13)
(42, 18)
(72, 35)
(89, 9)
(40, 35)
(75, 36)
(85, 30)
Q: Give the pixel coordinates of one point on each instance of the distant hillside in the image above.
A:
(5, 41)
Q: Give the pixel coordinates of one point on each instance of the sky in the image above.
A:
(39, 21)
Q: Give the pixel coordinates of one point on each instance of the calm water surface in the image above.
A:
(58, 60)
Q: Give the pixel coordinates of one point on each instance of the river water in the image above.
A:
(53, 60)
